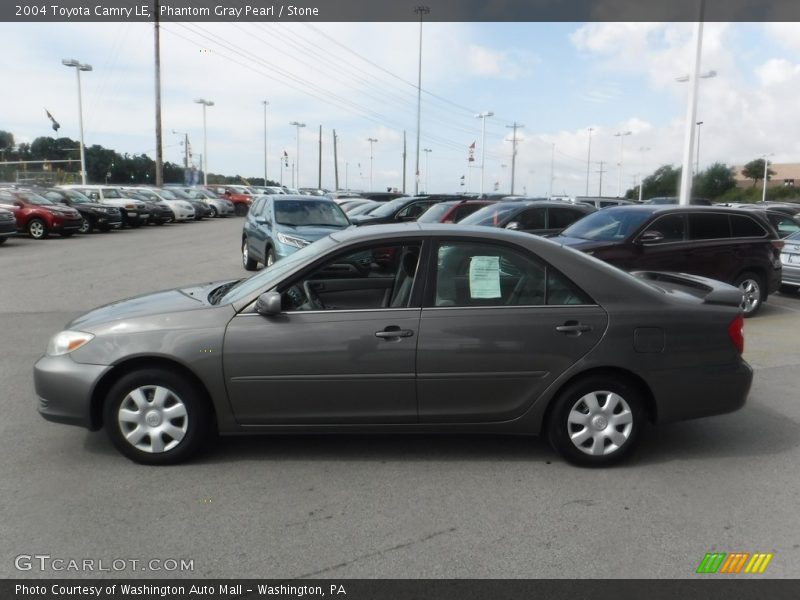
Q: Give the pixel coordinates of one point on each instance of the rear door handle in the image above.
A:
(393, 332)
(573, 328)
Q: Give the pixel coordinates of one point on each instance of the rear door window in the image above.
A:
(742, 226)
(532, 218)
(670, 226)
(709, 226)
(561, 218)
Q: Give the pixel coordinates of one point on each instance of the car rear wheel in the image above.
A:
(752, 291)
(153, 416)
(248, 263)
(86, 226)
(37, 229)
(596, 421)
(241, 209)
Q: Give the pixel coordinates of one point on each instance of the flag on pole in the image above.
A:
(471, 152)
(56, 124)
(285, 159)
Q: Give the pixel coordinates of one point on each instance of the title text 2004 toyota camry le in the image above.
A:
(405, 328)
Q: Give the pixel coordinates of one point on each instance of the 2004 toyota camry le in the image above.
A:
(405, 328)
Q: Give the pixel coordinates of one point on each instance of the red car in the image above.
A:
(236, 194)
(38, 215)
(452, 211)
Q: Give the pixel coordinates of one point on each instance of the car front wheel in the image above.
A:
(752, 293)
(86, 226)
(248, 263)
(153, 416)
(37, 229)
(596, 421)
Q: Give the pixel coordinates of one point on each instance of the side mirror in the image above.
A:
(651, 237)
(269, 304)
(513, 225)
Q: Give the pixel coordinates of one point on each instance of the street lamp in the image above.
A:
(371, 141)
(621, 137)
(641, 181)
(297, 126)
(205, 104)
(71, 62)
(589, 159)
(427, 152)
(265, 103)
(766, 175)
(697, 167)
(482, 116)
(421, 11)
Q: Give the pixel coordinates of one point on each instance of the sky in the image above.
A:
(557, 80)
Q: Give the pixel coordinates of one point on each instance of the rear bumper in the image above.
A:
(791, 275)
(700, 392)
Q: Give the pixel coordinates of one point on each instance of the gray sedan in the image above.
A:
(405, 328)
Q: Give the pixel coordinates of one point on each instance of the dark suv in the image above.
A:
(539, 217)
(739, 247)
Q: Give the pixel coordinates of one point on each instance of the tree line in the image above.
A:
(102, 164)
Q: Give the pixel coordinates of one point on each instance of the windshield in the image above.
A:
(434, 214)
(387, 209)
(76, 196)
(364, 209)
(490, 216)
(178, 194)
(297, 213)
(32, 198)
(607, 225)
(143, 193)
(167, 195)
(263, 278)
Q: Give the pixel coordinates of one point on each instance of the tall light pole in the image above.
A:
(766, 176)
(483, 116)
(699, 125)
(621, 135)
(421, 11)
(589, 159)
(515, 126)
(427, 152)
(297, 126)
(371, 141)
(71, 62)
(205, 104)
(265, 103)
(641, 180)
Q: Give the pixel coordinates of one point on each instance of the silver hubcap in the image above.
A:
(84, 226)
(270, 259)
(37, 229)
(751, 293)
(600, 423)
(245, 256)
(153, 419)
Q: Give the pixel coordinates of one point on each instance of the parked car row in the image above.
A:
(68, 209)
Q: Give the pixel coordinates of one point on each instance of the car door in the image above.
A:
(531, 220)
(662, 245)
(711, 251)
(498, 327)
(342, 350)
(561, 217)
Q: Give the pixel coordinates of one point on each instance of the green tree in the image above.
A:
(714, 181)
(6, 140)
(755, 170)
(663, 182)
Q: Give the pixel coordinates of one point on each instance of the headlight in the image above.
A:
(291, 240)
(67, 341)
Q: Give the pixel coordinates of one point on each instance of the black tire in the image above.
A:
(37, 229)
(86, 226)
(241, 209)
(3, 240)
(214, 214)
(247, 262)
(754, 291)
(561, 432)
(193, 425)
(269, 257)
(788, 289)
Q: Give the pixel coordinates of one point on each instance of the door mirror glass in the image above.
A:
(269, 304)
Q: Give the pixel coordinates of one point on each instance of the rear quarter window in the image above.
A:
(709, 226)
(742, 226)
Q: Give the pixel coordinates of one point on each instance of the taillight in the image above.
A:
(777, 244)
(736, 333)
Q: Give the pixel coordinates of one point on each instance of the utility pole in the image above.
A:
(589, 160)
(691, 113)
(157, 49)
(621, 135)
(371, 141)
(335, 164)
(483, 116)
(601, 171)
(515, 126)
(265, 103)
(404, 161)
(319, 185)
(697, 167)
(427, 152)
(552, 168)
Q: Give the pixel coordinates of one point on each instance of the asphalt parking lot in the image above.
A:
(370, 506)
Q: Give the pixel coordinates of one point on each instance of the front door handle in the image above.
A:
(573, 328)
(393, 332)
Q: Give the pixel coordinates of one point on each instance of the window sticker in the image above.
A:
(484, 277)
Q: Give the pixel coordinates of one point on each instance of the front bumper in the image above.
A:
(66, 225)
(65, 388)
(8, 228)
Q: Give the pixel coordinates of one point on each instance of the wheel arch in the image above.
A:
(617, 372)
(134, 364)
